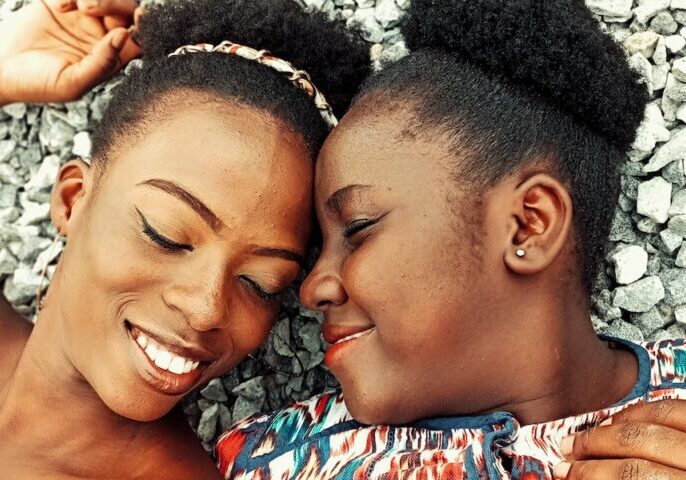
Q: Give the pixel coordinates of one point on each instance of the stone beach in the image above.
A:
(641, 291)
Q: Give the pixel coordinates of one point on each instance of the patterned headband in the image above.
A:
(300, 78)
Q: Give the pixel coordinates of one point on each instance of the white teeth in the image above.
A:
(142, 340)
(177, 365)
(151, 351)
(354, 336)
(163, 358)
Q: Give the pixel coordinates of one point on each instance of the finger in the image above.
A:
(62, 5)
(656, 443)
(670, 413)
(116, 21)
(617, 469)
(103, 8)
(99, 65)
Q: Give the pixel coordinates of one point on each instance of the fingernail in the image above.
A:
(606, 422)
(119, 39)
(567, 446)
(561, 470)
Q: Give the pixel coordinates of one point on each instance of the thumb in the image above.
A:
(96, 67)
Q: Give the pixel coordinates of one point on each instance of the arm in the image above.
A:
(50, 51)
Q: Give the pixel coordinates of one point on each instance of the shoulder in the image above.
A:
(263, 437)
(14, 333)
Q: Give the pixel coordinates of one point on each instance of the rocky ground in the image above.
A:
(642, 290)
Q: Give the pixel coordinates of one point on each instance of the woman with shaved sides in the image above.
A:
(192, 218)
(465, 201)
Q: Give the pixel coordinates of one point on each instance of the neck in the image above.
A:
(47, 406)
(568, 369)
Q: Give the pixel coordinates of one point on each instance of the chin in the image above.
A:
(376, 408)
(138, 406)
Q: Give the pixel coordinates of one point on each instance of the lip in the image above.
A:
(163, 381)
(341, 338)
(176, 345)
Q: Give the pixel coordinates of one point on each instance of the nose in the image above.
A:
(323, 287)
(200, 296)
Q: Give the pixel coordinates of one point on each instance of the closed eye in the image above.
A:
(259, 291)
(160, 239)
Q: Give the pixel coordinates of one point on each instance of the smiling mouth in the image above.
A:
(162, 355)
(354, 336)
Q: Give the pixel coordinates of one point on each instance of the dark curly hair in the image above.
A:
(512, 82)
(336, 59)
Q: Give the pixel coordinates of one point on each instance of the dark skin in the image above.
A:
(603, 457)
(212, 301)
(399, 236)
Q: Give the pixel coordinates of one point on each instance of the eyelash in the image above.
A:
(259, 291)
(161, 240)
(356, 226)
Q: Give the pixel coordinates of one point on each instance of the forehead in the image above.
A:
(381, 147)
(236, 160)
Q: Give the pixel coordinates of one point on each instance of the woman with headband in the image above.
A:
(191, 220)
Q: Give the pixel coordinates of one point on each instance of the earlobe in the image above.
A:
(541, 222)
(72, 185)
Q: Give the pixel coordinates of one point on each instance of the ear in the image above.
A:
(74, 182)
(541, 216)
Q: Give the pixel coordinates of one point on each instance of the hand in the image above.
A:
(646, 441)
(56, 50)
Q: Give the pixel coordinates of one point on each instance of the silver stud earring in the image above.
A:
(521, 253)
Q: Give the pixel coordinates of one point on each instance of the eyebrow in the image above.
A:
(280, 253)
(191, 200)
(335, 201)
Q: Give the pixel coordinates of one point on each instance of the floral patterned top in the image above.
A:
(318, 439)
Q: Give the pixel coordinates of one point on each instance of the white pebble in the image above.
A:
(631, 263)
(654, 199)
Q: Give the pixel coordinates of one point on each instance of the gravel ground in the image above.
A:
(642, 290)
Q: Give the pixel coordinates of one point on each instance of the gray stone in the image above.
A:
(622, 228)
(630, 263)
(15, 110)
(664, 24)
(660, 73)
(678, 330)
(47, 256)
(646, 225)
(660, 54)
(681, 112)
(33, 212)
(310, 334)
(30, 248)
(639, 63)
(612, 8)
(55, 133)
(245, 407)
(649, 321)
(207, 427)
(648, 9)
(82, 145)
(674, 281)
(8, 195)
(225, 418)
(681, 257)
(679, 69)
(364, 20)
(365, 3)
(8, 262)
(674, 149)
(678, 225)
(669, 106)
(680, 17)
(675, 90)
(671, 240)
(674, 173)
(654, 199)
(388, 14)
(253, 389)
(640, 296)
(405, 4)
(46, 175)
(621, 329)
(678, 206)
(7, 148)
(678, 4)
(215, 391)
(680, 314)
(22, 286)
(675, 43)
(651, 130)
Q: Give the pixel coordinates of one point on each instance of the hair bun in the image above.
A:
(554, 47)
